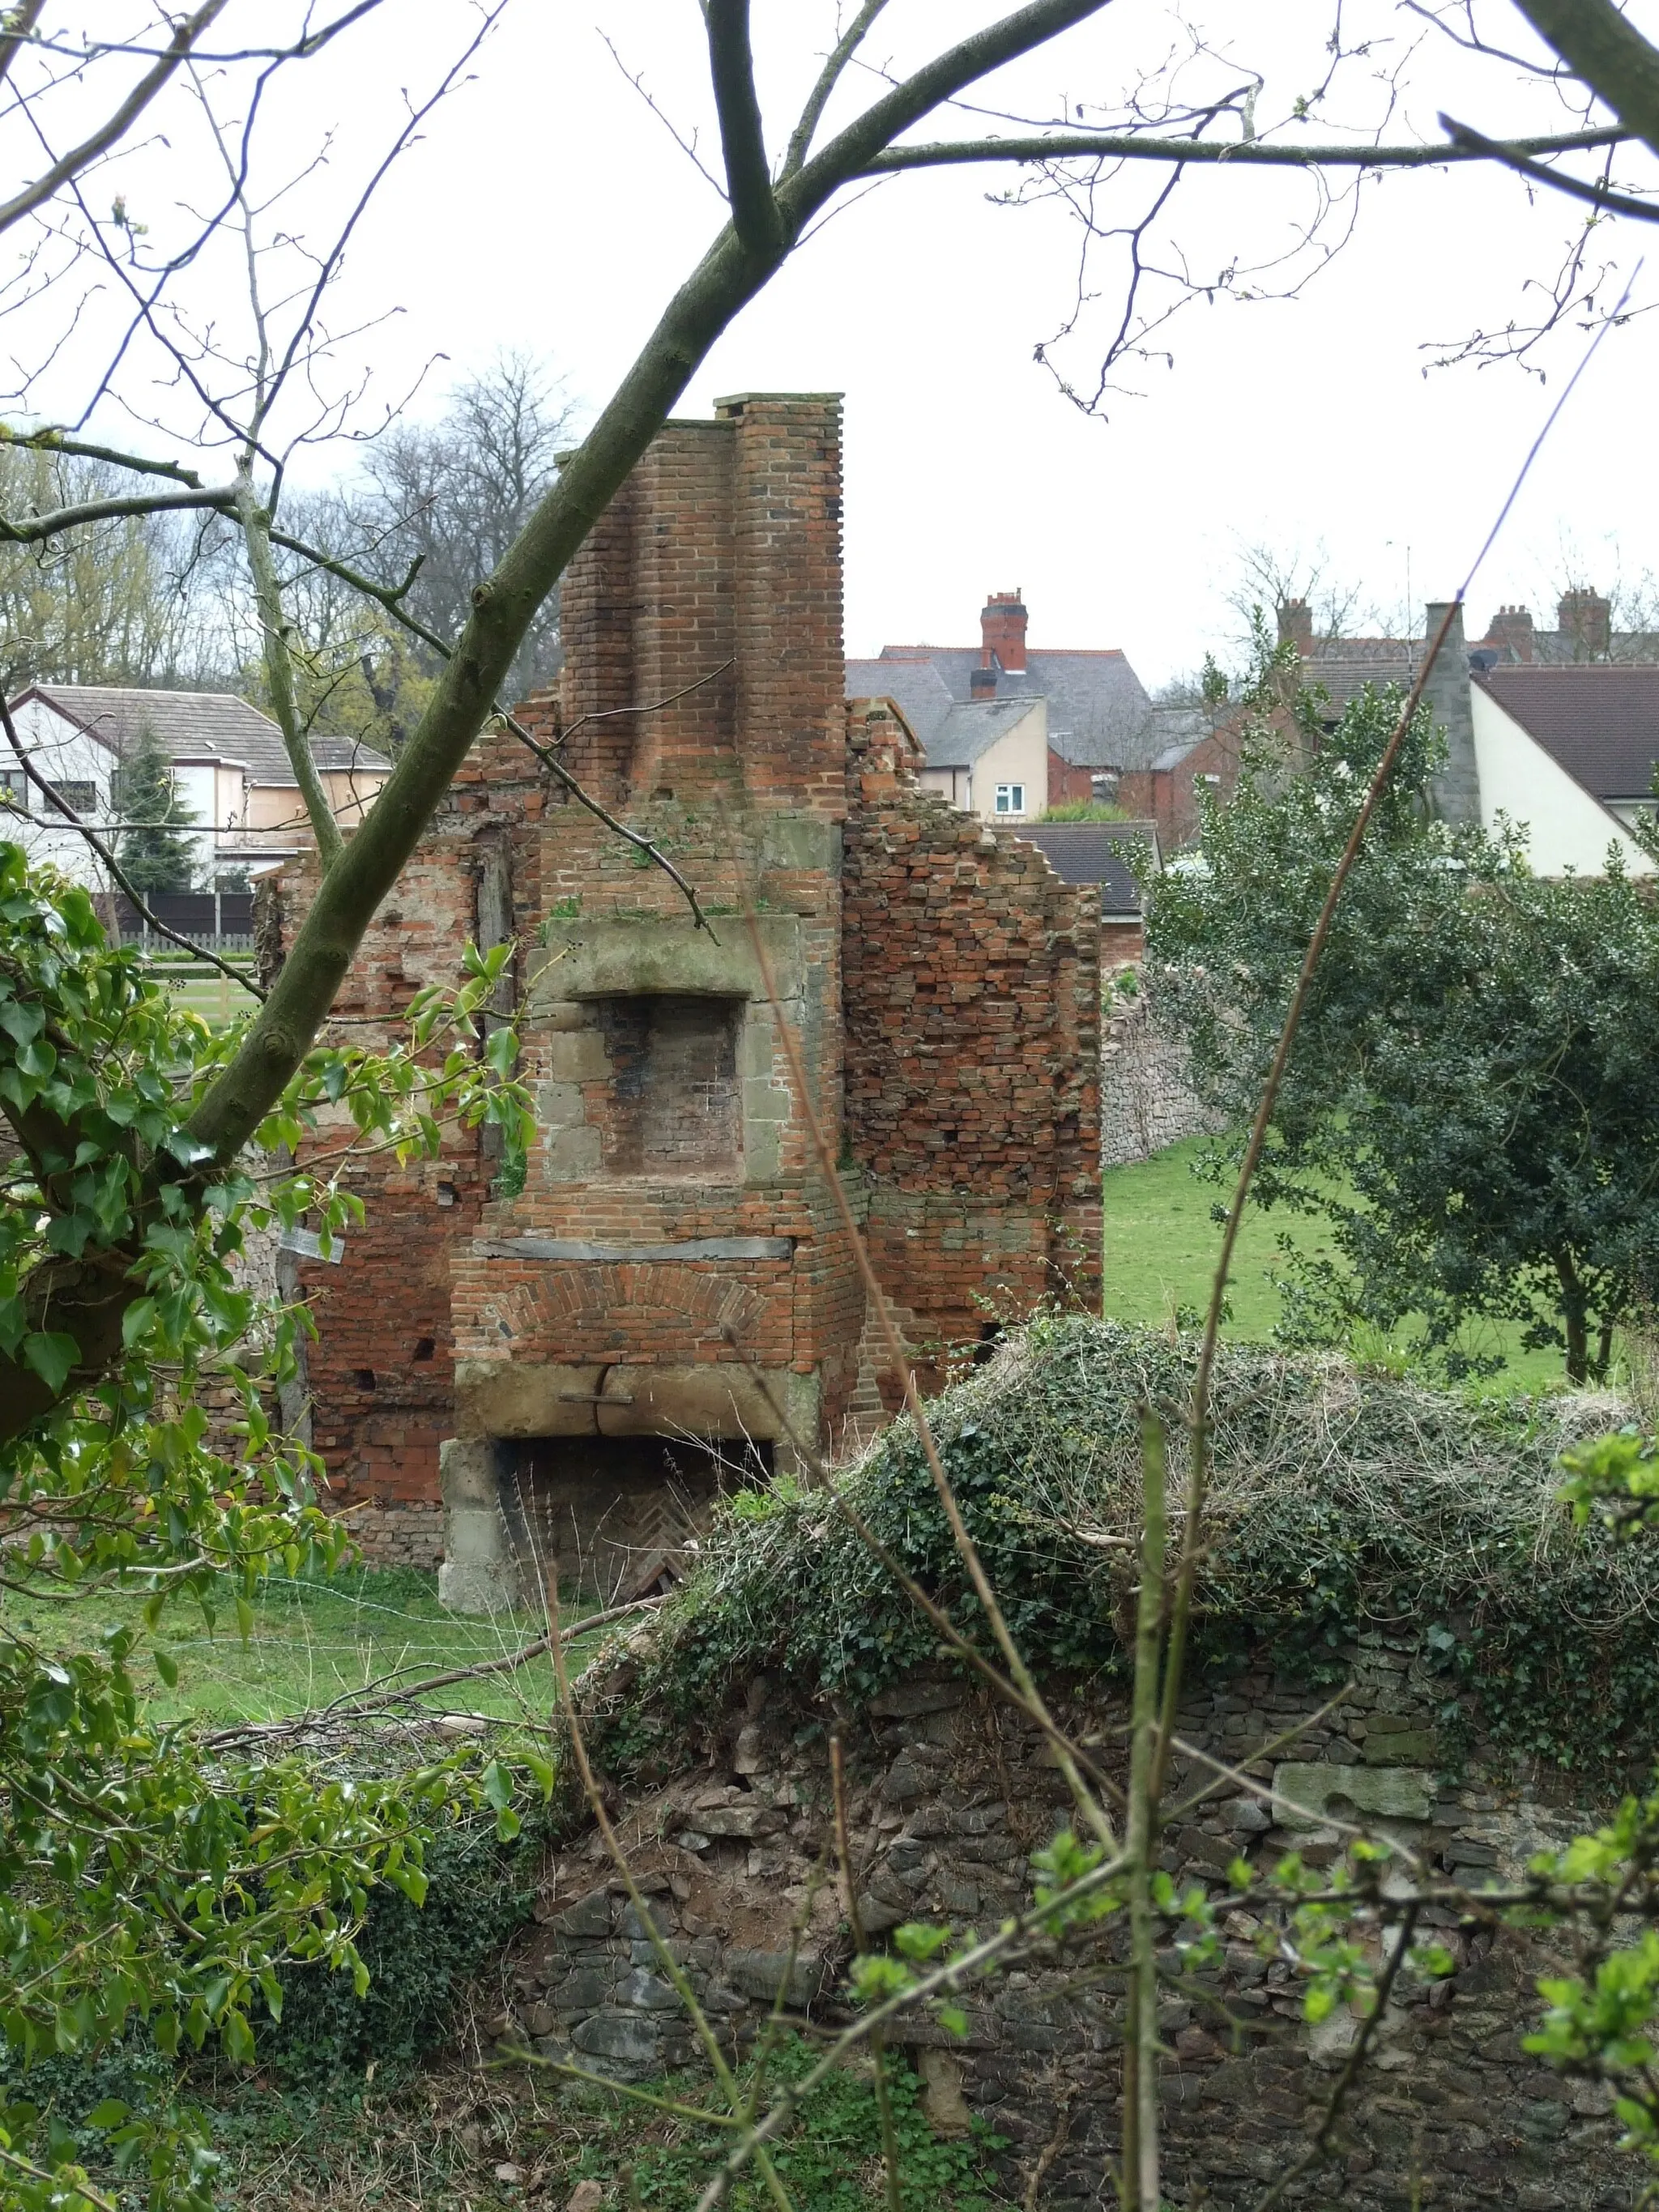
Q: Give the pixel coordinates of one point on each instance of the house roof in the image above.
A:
(1103, 853)
(1171, 733)
(951, 732)
(1344, 665)
(1598, 721)
(1096, 703)
(197, 725)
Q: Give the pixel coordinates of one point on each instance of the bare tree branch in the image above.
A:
(279, 667)
(1598, 196)
(39, 527)
(117, 126)
(849, 154)
(800, 139)
(1604, 49)
(16, 36)
(57, 441)
(754, 214)
(1249, 153)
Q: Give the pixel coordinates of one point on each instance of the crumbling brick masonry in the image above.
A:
(671, 1292)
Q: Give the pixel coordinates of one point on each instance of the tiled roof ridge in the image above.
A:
(926, 652)
(1574, 668)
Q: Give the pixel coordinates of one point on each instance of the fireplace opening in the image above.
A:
(618, 1517)
(672, 1106)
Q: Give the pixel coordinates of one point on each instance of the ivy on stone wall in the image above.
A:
(1343, 1503)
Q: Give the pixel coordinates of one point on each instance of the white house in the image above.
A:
(1562, 744)
(1571, 753)
(78, 765)
(230, 770)
(988, 756)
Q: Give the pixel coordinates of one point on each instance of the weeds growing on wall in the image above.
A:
(1341, 1502)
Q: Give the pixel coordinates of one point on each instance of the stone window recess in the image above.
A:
(1010, 798)
(673, 1106)
(81, 797)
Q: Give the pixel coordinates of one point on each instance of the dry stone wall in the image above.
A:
(1147, 1102)
(950, 1795)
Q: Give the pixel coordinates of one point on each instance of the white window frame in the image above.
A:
(1014, 796)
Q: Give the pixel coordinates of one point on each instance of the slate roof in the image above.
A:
(1597, 720)
(1101, 852)
(1171, 732)
(1096, 703)
(1345, 665)
(953, 732)
(196, 725)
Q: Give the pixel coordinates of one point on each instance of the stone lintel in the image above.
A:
(695, 1247)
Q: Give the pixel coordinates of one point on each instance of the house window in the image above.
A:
(79, 798)
(1103, 788)
(1010, 798)
(14, 789)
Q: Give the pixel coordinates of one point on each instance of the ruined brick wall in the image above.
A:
(950, 1793)
(673, 1234)
(380, 1377)
(973, 1056)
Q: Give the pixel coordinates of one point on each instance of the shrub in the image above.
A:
(1342, 1501)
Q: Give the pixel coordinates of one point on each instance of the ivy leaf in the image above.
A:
(51, 1355)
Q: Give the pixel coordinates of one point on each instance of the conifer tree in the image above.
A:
(154, 855)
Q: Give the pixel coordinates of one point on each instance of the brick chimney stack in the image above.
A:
(1296, 626)
(1512, 630)
(982, 682)
(1002, 633)
(1586, 622)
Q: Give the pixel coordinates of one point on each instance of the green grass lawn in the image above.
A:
(207, 990)
(1162, 1245)
(310, 1641)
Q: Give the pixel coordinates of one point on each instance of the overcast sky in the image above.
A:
(549, 210)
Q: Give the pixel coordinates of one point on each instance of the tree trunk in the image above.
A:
(1575, 1318)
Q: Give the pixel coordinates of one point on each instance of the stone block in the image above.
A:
(761, 1974)
(1311, 1795)
(745, 1821)
(631, 2041)
(589, 1916)
(905, 1780)
(648, 1992)
(905, 1700)
(1405, 1748)
(585, 1990)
